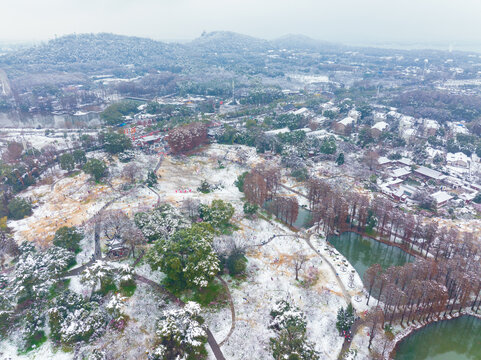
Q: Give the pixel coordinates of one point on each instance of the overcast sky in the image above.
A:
(351, 21)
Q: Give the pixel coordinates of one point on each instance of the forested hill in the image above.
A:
(91, 48)
(93, 52)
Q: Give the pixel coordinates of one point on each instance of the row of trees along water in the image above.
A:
(336, 209)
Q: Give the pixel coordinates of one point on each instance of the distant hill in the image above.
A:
(90, 48)
(228, 42)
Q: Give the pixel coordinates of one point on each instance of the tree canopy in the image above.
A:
(187, 258)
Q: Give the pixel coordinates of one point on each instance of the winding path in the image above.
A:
(339, 281)
(232, 310)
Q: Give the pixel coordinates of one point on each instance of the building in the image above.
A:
(383, 161)
(343, 126)
(404, 162)
(378, 128)
(441, 198)
(457, 159)
(379, 117)
(356, 115)
(408, 134)
(429, 174)
(430, 127)
(401, 173)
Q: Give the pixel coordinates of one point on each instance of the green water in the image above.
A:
(457, 339)
(304, 217)
(363, 252)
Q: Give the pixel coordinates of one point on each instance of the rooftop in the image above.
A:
(401, 172)
(422, 170)
(441, 196)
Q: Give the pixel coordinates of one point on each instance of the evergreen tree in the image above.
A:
(151, 178)
(115, 143)
(187, 258)
(79, 156)
(340, 159)
(291, 341)
(180, 334)
(68, 238)
(18, 208)
(96, 168)
(67, 162)
(218, 213)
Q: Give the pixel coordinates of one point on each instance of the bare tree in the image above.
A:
(190, 207)
(255, 188)
(115, 223)
(370, 278)
(13, 152)
(132, 236)
(374, 319)
(131, 172)
(298, 261)
(371, 159)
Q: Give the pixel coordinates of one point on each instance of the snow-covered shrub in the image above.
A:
(71, 319)
(126, 279)
(101, 273)
(218, 213)
(115, 306)
(36, 272)
(33, 331)
(180, 335)
(7, 303)
(284, 315)
(290, 326)
(126, 156)
(161, 222)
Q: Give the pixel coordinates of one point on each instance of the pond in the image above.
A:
(363, 252)
(304, 218)
(456, 339)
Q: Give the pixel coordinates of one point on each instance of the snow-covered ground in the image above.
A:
(270, 270)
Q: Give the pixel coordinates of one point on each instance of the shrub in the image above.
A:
(18, 208)
(96, 168)
(68, 238)
(236, 263)
(250, 209)
(240, 181)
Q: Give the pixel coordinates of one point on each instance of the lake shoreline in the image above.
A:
(386, 242)
(394, 344)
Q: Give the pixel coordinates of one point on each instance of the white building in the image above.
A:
(441, 198)
(457, 159)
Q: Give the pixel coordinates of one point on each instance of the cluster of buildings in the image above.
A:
(402, 180)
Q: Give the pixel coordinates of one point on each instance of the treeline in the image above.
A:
(335, 209)
(446, 280)
(261, 186)
(438, 105)
(187, 137)
(426, 288)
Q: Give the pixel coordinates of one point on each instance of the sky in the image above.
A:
(347, 21)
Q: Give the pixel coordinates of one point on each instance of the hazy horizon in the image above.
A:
(432, 23)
